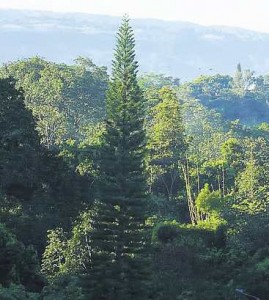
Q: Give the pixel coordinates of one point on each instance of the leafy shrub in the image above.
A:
(16, 292)
(200, 235)
(64, 288)
(208, 202)
(18, 264)
(167, 233)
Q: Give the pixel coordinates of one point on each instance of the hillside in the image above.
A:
(179, 49)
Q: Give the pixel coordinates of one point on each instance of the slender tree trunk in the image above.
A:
(194, 216)
(198, 178)
(223, 181)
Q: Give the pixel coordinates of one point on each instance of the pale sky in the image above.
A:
(250, 14)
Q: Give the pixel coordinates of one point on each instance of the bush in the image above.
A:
(65, 288)
(201, 235)
(167, 233)
(16, 292)
(18, 264)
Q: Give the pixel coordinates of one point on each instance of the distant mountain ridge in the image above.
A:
(179, 49)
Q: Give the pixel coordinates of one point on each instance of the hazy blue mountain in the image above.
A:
(179, 49)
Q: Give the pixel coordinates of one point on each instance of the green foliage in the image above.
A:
(37, 189)
(64, 288)
(186, 261)
(208, 88)
(232, 152)
(54, 254)
(78, 251)
(16, 292)
(242, 97)
(209, 202)
(160, 208)
(18, 264)
(158, 81)
(58, 154)
(243, 80)
(165, 232)
(118, 238)
(202, 235)
(62, 98)
(252, 181)
(19, 143)
(249, 232)
(166, 142)
(68, 253)
(206, 129)
(89, 150)
(253, 277)
(16, 122)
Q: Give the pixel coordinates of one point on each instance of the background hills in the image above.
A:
(179, 49)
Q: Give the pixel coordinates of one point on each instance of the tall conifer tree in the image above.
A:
(118, 265)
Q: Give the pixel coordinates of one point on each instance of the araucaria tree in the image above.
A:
(119, 268)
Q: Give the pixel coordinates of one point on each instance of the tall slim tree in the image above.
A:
(166, 142)
(119, 243)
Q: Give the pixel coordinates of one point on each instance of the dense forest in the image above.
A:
(128, 186)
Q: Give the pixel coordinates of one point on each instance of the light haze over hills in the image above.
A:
(180, 49)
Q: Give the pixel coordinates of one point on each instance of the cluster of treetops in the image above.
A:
(133, 186)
